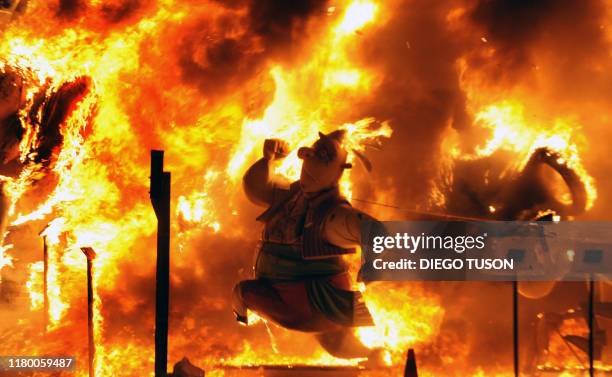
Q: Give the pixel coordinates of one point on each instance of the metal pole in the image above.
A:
(160, 198)
(90, 254)
(591, 325)
(45, 277)
(46, 281)
(515, 326)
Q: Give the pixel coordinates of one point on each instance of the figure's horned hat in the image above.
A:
(334, 142)
(338, 137)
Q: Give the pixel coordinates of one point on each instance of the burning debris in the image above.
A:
(184, 368)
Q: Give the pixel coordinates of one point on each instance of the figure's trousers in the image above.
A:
(287, 305)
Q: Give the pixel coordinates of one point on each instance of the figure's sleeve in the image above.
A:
(279, 193)
(261, 186)
(342, 227)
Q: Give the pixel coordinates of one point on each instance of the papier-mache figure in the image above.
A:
(301, 280)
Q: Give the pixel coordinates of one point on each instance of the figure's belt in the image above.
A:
(284, 262)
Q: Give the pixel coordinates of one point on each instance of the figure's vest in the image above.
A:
(297, 220)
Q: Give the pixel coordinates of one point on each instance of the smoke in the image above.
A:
(224, 52)
(280, 23)
(115, 13)
(109, 13)
(568, 34)
(68, 9)
(554, 57)
(546, 54)
(419, 95)
(514, 26)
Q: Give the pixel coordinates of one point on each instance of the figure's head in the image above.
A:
(323, 162)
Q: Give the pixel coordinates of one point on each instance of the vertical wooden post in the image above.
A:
(160, 199)
(90, 254)
(46, 281)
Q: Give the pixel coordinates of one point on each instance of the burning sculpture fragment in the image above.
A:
(32, 128)
(545, 185)
(301, 282)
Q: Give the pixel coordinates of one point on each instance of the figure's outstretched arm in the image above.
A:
(342, 227)
(258, 181)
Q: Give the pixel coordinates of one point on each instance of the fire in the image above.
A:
(35, 285)
(5, 259)
(297, 120)
(142, 95)
(394, 312)
(510, 131)
(357, 14)
(57, 300)
(506, 128)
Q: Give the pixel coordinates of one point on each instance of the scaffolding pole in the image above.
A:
(45, 278)
(90, 254)
(160, 199)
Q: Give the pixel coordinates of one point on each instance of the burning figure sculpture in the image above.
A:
(301, 281)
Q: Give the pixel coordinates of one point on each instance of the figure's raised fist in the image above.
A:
(275, 149)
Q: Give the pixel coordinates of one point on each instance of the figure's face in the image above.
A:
(322, 165)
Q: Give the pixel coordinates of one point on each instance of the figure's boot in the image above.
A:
(239, 307)
(583, 343)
